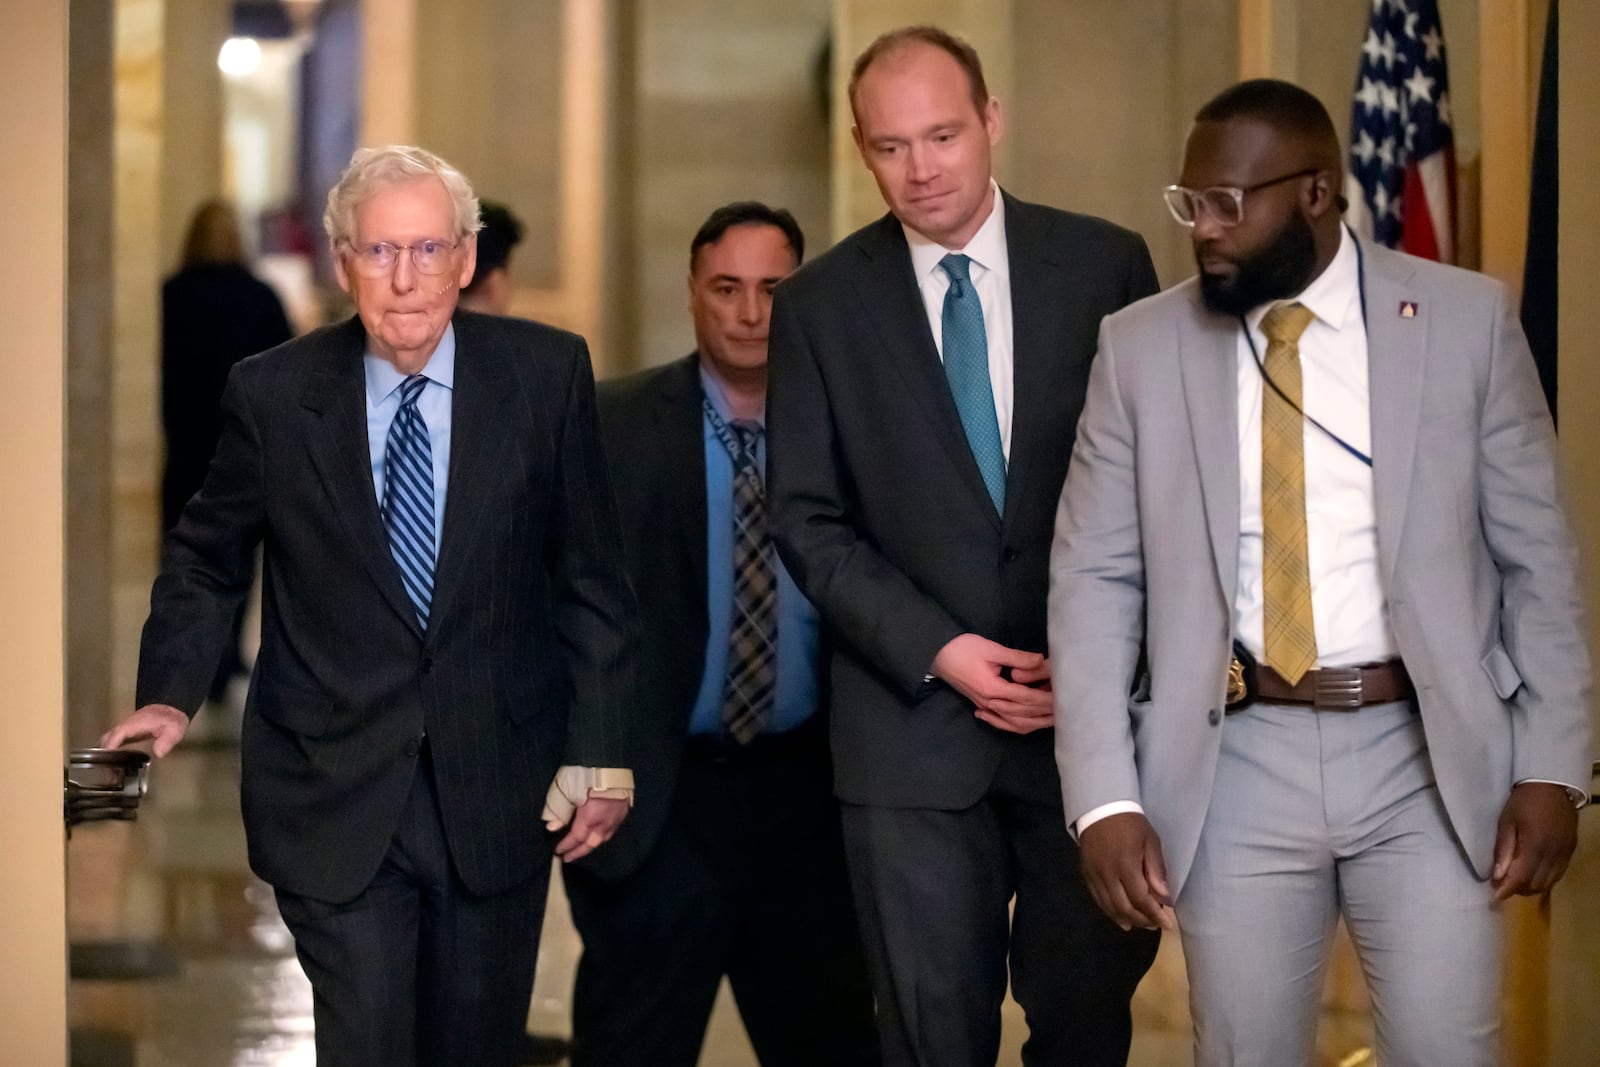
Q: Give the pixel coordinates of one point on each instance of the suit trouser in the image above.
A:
(1315, 815)
(416, 970)
(933, 890)
(747, 879)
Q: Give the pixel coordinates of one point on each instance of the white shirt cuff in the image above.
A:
(1094, 815)
(1580, 797)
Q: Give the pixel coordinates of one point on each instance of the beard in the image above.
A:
(1279, 269)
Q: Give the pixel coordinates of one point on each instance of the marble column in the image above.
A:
(33, 114)
(516, 95)
(89, 370)
(136, 315)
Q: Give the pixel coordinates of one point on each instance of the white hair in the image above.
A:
(373, 168)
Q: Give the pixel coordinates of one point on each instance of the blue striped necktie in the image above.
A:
(966, 367)
(408, 497)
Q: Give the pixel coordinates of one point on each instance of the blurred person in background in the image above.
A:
(214, 313)
(490, 288)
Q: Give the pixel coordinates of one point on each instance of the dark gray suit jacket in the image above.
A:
(651, 425)
(653, 428)
(526, 661)
(877, 504)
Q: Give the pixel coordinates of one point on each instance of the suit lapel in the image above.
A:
(678, 425)
(892, 302)
(1041, 305)
(483, 382)
(1209, 363)
(335, 394)
(1396, 360)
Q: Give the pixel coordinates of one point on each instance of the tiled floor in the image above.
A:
(177, 877)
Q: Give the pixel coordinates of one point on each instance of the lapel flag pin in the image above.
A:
(1408, 309)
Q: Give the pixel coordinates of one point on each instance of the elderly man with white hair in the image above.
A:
(446, 637)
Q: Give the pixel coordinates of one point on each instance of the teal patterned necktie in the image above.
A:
(966, 367)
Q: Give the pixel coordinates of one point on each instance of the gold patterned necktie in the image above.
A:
(1291, 637)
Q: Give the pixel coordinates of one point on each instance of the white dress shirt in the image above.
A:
(1348, 608)
(991, 277)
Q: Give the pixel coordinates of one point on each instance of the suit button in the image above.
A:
(427, 664)
(413, 747)
(1214, 716)
(1011, 555)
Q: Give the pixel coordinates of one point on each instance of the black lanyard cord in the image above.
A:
(1267, 378)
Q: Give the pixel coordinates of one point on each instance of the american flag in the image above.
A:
(1402, 181)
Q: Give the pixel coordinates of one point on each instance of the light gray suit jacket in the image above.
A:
(1476, 558)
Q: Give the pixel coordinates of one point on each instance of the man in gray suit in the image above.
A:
(1337, 459)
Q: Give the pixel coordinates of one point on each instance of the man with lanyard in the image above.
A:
(1336, 459)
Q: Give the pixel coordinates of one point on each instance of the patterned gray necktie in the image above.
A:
(753, 634)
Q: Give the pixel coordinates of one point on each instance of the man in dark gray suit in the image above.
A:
(445, 620)
(926, 376)
(1338, 457)
(733, 865)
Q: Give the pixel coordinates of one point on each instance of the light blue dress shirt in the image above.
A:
(795, 700)
(383, 404)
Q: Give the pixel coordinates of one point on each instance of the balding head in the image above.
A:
(896, 43)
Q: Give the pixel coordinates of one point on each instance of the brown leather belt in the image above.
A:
(1339, 688)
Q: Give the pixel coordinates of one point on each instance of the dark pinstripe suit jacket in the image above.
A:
(526, 660)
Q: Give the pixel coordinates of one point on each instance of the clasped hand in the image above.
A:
(976, 668)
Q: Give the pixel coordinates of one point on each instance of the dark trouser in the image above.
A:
(747, 879)
(416, 970)
(932, 890)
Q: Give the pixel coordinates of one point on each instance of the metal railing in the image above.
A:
(104, 783)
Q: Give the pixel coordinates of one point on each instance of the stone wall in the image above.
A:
(725, 106)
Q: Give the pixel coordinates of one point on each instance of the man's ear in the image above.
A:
(1322, 196)
(993, 124)
(469, 262)
(339, 272)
